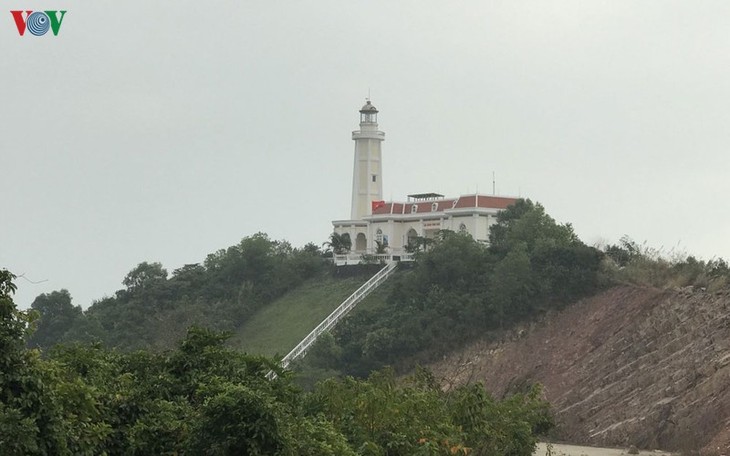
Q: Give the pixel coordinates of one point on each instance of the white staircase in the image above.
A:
(336, 315)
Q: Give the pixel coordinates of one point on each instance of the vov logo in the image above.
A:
(38, 22)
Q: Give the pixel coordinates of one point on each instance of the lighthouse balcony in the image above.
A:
(360, 134)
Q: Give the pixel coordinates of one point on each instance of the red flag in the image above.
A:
(375, 205)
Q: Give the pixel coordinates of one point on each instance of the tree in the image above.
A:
(189, 278)
(57, 317)
(144, 275)
(418, 244)
(508, 427)
(378, 416)
(339, 243)
(511, 287)
(239, 421)
(454, 261)
(311, 248)
(526, 222)
(28, 421)
(13, 324)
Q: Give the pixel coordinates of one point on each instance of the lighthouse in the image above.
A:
(367, 176)
(392, 230)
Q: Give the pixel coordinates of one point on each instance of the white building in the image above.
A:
(396, 224)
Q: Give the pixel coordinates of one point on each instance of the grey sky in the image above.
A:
(163, 131)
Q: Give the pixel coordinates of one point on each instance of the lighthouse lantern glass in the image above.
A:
(368, 117)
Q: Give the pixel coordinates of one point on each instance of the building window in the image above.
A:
(375, 178)
(462, 228)
(414, 209)
(434, 207)
(379, 235)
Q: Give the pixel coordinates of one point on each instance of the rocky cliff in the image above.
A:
(632, 365)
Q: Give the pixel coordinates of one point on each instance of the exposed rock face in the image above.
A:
(633, 365)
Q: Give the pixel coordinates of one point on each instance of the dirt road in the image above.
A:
(571, 450)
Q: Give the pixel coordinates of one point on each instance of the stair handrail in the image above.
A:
(338, 313)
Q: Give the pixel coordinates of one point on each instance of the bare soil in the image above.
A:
(631, 366)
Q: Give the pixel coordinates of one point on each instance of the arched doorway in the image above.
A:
(411, 237)
(346, 242)
(361, 242)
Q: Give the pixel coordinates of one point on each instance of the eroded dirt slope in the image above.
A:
(630, 366)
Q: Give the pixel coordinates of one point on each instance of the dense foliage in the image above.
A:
(460, 289)
(154, 309)
(204, 399)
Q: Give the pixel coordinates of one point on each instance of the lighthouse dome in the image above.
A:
(368, 107)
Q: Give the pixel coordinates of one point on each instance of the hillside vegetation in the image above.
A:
(204, 399)
(154, 310)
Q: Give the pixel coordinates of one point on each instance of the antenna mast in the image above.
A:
(494, 185)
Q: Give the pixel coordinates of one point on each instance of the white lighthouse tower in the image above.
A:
(367, 178)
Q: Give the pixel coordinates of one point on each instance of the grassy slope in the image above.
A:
(278, 327)
(377, 298)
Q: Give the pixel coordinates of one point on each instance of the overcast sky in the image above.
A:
(163, 131)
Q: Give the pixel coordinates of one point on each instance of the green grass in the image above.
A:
(377, 298)
(278, 327)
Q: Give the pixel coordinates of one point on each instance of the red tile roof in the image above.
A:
(463, 202)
